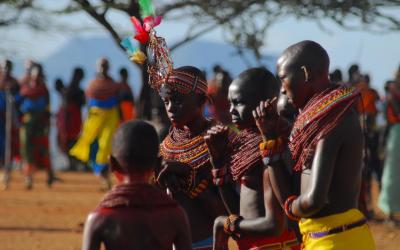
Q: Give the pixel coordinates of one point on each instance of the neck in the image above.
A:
(197, 125)
(321, 86)
(139, 178)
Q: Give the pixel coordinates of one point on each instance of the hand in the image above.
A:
(217, 143)
(266, 118)
(220, 237)
(172, 175)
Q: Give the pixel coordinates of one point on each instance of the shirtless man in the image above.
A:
(187, 169)
(260, 220)
(136, 214)
(326, 145)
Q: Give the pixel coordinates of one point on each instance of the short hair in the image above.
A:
(136, 144)
(265, 83)
(309, 54)
(123, 72)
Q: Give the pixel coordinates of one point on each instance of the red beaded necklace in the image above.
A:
(321, 114)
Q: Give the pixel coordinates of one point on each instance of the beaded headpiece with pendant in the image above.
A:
(160, 65)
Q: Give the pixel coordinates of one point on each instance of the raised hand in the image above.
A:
(266, 118)
(217, 143)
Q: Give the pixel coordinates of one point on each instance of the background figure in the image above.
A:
(69, 116)
(9, 124)
(102, 120)
(25, 79)
(368, 111)
(389, 201)
(218, 91)
(34, 132)
(336, 76)
(354, 75)
(125, 97)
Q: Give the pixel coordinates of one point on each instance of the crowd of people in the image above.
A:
(272, 161)
(25, 120)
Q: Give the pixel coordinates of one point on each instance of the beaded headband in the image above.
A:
(160, 64)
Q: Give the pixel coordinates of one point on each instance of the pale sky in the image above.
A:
(377, 54)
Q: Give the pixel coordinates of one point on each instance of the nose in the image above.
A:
(171, 107)
(283, 91)
(231, 109)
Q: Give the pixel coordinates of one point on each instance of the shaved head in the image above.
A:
(303, 69)
(135, 145)
(306, 53)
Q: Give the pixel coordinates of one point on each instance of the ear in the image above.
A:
(306, 73)
(114, 165)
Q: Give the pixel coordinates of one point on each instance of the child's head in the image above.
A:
(246, 92)
(134, 148)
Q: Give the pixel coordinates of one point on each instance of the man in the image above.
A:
(102, 121)
(35, 125)
(218, 92)
(326, 145)
(9, 125)
(125, 97)
(187, 171)
(259, 221)
(69, 116)
(136, 214)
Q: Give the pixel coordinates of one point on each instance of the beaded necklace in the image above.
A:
(321, 114)
(245, 152)
(182, 146)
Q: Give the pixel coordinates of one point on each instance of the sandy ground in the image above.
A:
(53, 218)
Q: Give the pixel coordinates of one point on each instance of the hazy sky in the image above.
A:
(377, 54)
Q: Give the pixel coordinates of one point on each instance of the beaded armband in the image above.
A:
(271, 150)
(231, 226)
(219, 175)
(288, 208)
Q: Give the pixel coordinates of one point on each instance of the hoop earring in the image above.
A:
(305, 72)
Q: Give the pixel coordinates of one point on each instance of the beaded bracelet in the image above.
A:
(272, 150)
(288, 208)
(231, 225)
(219, 172)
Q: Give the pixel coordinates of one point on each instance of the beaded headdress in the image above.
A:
(160, 64)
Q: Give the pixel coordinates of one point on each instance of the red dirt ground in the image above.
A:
(53, 218)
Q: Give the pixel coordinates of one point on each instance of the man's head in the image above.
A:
(135, 148)
(302, 69)
(123, 72)
(77, 76)
(7, 67)
(28, 66)
(37, 73)
(246, 92)
(354, 73)
(59, 85)
(103, 66)
(184, 95)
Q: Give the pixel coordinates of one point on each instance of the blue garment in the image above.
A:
(108, 103)
(203, 243)
(2, 100)
(29, 105)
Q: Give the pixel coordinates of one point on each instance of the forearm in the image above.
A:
(262, 226)
(305, 206)
(281, 181)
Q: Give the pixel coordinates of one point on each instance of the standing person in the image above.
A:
(103, 119)
(187, 168)
(326, 144)
(259, 222)
(125, 96)
(9, 120)
(34, 132)
(218, 92)
(7, 84)
(25, 79)
(69, 117)
(389, 201)
(135, 214)
(368, 113)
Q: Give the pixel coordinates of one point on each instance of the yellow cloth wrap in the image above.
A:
(355, 238)
(100, 124)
